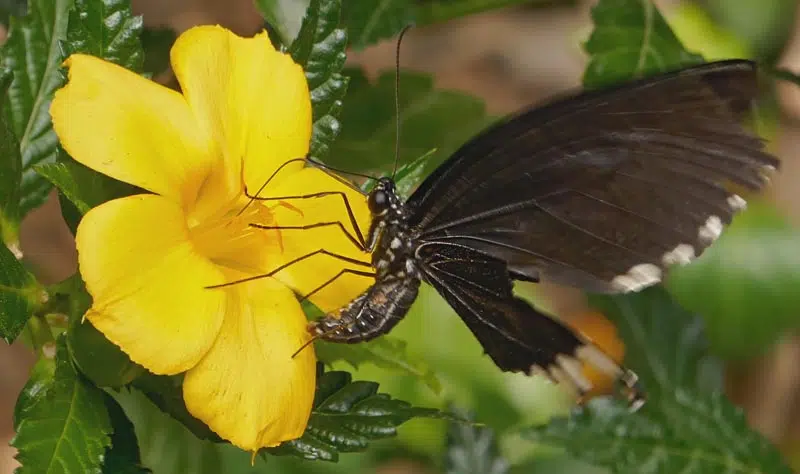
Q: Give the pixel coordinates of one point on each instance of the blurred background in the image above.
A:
(508, 58)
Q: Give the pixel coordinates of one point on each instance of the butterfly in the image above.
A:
(602, 190)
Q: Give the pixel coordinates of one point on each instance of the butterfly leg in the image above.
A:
(358, 240)
(294, 261)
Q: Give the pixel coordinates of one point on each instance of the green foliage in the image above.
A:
(101, 361)
(385, 352)
(689, 433)
(66, 426)
(106, 29)
(81, 188)
(428, 118)
(10, 168)
(122, 457)
(631, 39)
(156, 43)
(319, 48)
(33, 53)
(751, 270)
(687, 425)
(166, 392)
(19, 295)
(348, 415)
(369, 21)
(473, 450)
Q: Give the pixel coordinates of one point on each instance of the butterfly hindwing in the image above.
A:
(511, 331)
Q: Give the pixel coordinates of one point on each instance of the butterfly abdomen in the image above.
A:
(374, 313)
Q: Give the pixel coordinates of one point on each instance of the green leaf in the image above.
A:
(369, 21)
(81, 188)
(166, 446)
(664, 344)
(106, 29)
(41, 378)
(10, 168)
(283, 16)
(430, 119)
(166, 392)
(156, 43)
(744, 285)
(348, 415)
(473, 450)
(436, 11)
(122, 457)
(690, 434)
(384, 352)
(66, 430)
(320, 49)
(33, 53)
(631, 39)
(20, 293)
(100, 360)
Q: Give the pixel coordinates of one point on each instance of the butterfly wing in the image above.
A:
(605, 189)
(513, 333)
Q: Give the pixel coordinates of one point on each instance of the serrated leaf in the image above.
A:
(744, 285)
(348, 415)
(66, 430)
(10, 168)
(664, 344)
(320, 49)
(430, 119)
(166, 393)
(106, 29)
(385, 352)
(156, 43)
(631, 39)
(690, 434)
(33, 53)
(122, 457)
(370, 21)
(20, 293)
(473, 450)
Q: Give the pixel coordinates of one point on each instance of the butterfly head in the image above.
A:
(382, 197)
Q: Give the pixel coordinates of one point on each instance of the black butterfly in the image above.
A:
(603, 190)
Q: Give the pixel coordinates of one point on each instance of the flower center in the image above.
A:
(229, 239)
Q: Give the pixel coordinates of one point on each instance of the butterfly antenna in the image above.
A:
(397, 98)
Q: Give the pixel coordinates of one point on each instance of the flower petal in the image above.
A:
(248, 388)
(147, 283)
(309, 274)
(130, 128)
(251, 98)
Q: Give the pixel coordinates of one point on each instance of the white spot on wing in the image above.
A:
(639, 276)
(736, 202)
(591, 355)
(711, 230)
(574, 370)
(681, 254)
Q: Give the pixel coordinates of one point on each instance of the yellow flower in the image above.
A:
(147, 259)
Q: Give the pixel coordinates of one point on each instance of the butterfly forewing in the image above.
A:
(604, 189)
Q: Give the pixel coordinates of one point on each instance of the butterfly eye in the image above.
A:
(378, 200)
